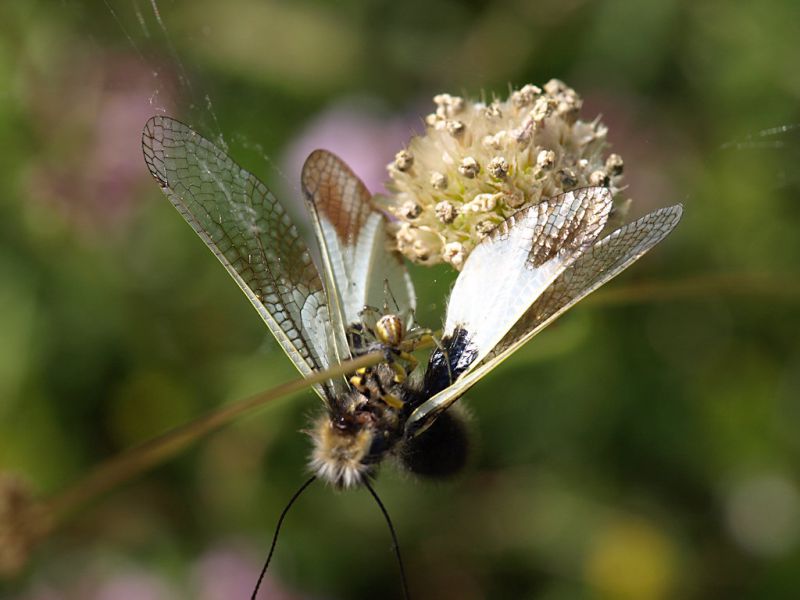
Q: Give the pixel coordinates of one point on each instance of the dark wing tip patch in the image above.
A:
(569, 222)
(566, 222)
(336, 192)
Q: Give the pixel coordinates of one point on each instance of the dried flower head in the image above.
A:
(478, 163)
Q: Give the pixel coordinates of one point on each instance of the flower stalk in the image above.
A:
(25, 520)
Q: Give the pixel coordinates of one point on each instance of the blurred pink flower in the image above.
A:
(133, 585)
(89, 121)
(230, 572)
(357, 132)
(226, 571)
(96, 583)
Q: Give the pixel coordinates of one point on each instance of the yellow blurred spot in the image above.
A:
(393, 401)
(631, 559)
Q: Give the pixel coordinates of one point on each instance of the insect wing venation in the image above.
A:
(604, 261)
(250, 233)
(590, 270)
(519, 260)
(353, 238)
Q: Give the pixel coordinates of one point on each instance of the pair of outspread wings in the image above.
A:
(526, 273)
(253, 236)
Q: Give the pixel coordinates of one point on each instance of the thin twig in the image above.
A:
(135, 461)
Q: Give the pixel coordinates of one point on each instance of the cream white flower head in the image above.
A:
(478, 163)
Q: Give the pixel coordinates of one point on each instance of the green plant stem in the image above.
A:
(133, 462)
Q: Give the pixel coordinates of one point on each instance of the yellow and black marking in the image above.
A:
(379, 402)
(388, 334)
(378, 384)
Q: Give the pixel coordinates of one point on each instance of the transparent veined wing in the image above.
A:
(355, 245)
(512, 267)
(602, 262)
(250, 233)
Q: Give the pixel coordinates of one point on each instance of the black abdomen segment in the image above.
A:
(440, 451)
(448, 362)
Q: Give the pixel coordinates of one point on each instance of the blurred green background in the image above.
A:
(645, 447)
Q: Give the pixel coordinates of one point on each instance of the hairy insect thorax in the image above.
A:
(368, 423)
(365, 423)
(357, 433)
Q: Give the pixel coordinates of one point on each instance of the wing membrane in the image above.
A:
(516, 263)
(353, 238)
(248, 230)
(604, 261)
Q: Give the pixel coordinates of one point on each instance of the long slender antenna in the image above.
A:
(396, 546)
(277, 531)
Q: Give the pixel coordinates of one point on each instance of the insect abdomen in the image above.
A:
(440, 451)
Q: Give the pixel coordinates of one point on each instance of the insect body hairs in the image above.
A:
(442, 450)
(368, 424)
(523, 275)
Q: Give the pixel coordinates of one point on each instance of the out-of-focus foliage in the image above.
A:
(645, 447)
